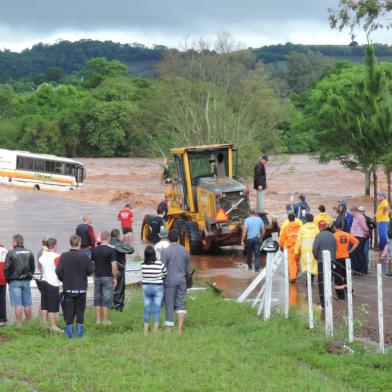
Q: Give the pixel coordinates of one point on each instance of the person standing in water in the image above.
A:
(260, 183)
(125, 216)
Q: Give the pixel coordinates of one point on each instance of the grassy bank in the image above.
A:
(225, 348)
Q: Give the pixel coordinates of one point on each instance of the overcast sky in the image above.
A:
(169, 22)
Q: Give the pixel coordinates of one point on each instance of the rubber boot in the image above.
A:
(69, 331)
(79, 330)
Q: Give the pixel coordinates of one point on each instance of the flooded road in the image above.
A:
(113, 182)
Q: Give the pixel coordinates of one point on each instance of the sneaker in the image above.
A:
(107, 322)
(56, 329)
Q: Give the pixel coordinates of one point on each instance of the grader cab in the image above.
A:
(207, 203)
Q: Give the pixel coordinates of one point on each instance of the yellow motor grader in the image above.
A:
(207, 203)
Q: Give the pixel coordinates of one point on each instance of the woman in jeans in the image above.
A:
(153, 272)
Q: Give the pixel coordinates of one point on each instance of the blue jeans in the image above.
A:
(382, 234)
(252, 247)
(152, 298)
(366, 253)
(20, 293)
(103, 291)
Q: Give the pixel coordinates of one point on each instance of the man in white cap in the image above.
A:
(260, 183)
(162, 244)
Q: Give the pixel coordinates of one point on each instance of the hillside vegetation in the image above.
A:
(91, 98)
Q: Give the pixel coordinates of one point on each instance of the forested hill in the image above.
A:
(68, 56)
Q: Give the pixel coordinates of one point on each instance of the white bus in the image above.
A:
(40, 171)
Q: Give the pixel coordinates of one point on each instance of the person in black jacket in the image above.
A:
(260, 183)
(86, 232)
(19, 270)
(122, 249)
(73, 269)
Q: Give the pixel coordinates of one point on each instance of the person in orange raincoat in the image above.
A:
(288, 238)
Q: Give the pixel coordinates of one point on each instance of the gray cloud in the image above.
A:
(255, 22)
(183, 16)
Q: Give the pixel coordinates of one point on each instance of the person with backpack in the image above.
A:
(299, 209)
(371, 224)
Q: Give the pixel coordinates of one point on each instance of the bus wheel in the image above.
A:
(36, 187)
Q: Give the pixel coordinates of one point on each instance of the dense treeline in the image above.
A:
(66, 57)
(274, 53)
(71, 56)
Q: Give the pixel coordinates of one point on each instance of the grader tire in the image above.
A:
(192, 238)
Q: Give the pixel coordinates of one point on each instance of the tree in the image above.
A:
(99, 69)
(350, 116)
(209, 95)
(370, 14)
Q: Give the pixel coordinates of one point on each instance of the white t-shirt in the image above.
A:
(49, 261)
(162, 244)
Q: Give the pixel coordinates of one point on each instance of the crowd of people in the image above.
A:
(344, 232)
(62, 279)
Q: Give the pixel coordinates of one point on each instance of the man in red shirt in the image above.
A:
(125, 216)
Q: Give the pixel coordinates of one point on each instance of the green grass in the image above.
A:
(225, 348)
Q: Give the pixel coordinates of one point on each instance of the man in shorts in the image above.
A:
(105, 278)
(49, 287)
(19, 270)
(125, 216)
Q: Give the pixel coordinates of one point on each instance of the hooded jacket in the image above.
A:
(289, 234)
(19, 264)
(304, 245)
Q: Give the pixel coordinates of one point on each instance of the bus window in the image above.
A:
(39, 165)
(69, 169)
(58, 168)
(49, 166)
(24, 163)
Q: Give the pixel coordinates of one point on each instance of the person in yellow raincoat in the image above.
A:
(288, 238)
(304, 245)
(323, 216)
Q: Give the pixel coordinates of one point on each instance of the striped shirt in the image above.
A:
(153, 273)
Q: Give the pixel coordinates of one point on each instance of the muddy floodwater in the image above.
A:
(114, 181)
